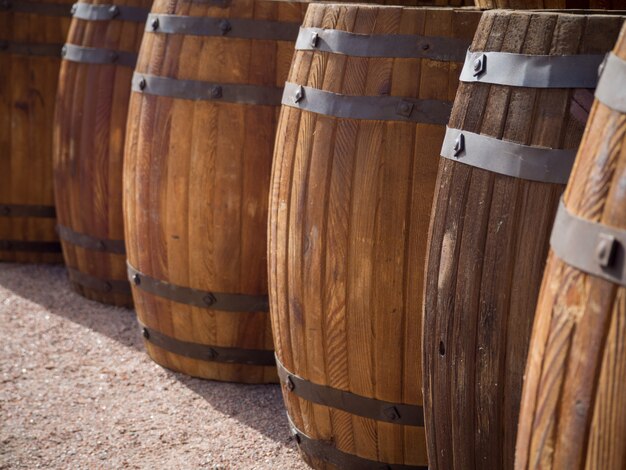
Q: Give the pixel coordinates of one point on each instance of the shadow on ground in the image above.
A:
(47, 286)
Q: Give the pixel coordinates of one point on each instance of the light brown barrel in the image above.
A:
(31, 37)
(573, 412)
(90, 126)
(517, 121)
(357, 148)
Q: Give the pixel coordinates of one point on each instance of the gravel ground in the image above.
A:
(78, 391)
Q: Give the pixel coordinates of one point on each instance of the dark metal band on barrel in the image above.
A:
(30, 246)
(396, 413)
(196, 297)
(198, 90)
(91, 243)
(19, 48)
(90, 12)
(611, 90)
(27, 210)
(108, 286)
(93, 55)
(592, 247)
(327, 452)
(508, 158)
(228, 27)
(533, 71)
(37, 8)
(378, 108)
(205, 352)
(382, 45)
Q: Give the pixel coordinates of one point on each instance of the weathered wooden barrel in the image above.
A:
(90, 126)
(31, 38)
(573, 412)
(553, 4)
(517, 121)
(364, 112)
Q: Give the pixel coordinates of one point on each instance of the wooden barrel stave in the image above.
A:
(553, 4)
(92, 105)
(572, 413)
(26, 109)
(328, 174)
(483, 267)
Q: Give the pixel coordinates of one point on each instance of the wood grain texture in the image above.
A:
(573, 412)
(488, 242)
(553, 4)
(27, 96)
(89, 131)
(349, 209)
(196, 184)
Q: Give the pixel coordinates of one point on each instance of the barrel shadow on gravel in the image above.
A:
(259, 407)
(48, 286)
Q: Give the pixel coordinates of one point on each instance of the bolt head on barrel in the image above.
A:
(114, 11)
(154, 24)
(142, 84)
(459, 145)
(225, 26)
(136, 279)
(479, 65)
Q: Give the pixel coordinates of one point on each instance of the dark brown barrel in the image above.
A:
(364, 112)
(517, 121)
(573, 412)
(31, 38)
(90, 126)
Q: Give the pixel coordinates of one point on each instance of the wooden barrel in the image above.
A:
(31, 38)
(517, 121)
(90, 126)
(553, 4)
(573, 412)
(364, 112)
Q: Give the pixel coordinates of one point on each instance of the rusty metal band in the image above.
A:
(327, 452)
(508, 158)
(611, 89)
(19, 48)
(396, 413)
(93, 55)
(226, 27)
(91, 12)
(206, 352)
(381, 45)
(198, 90)
(37, 8)
(592, 247)
(533, 71)
(30, 246)
(91, 243)
(27, 210)
(377, 108)
(107, 286)
(196, 297)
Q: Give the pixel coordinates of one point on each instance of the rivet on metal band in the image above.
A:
(381, 108)
(43, 50)
(27, 210)
(508, 158)
(198, 90)
(396, 413)
(611, 90)
(37, 8)
(206, 352)
(592, 247)
(533, 71)
(93, 55)
(91, 243)
(382, 45)
(228, 27)
(107, 286)
(198, 298)
(30, 246)
(91, 12)
(327, 452)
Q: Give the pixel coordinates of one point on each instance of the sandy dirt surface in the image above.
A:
(78, 391)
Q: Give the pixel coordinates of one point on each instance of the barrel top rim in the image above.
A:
(570, 12)
(374, 6)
